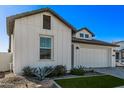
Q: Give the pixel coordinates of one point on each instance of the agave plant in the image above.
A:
(41, 73)
(28, 71)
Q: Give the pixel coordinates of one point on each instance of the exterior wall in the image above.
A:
(5, 60)
(78, 55)
(121, 46)
(77, 35)
(113, 57)
(27, 33)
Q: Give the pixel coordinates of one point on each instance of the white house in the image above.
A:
(119, 53)
(43, 38)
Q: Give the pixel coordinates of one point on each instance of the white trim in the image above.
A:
(52, 46)
(56, 84)
(84, 36)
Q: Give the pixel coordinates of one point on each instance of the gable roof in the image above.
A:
(85, 28)
(93, 41)
(11, 20)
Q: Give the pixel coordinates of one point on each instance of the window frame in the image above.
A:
(44, 27)
(87, 35)
(117, 55)
(52, 51)
(82, 34)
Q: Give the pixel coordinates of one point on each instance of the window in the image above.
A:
(46, 22)
(45, 47)
(117, 55)
(122, 55)
(81, 35)
(86, 36)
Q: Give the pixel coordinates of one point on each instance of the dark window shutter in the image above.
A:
(46, 22)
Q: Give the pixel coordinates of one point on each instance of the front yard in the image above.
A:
(41, 78)
(89, 81)
(105, 81)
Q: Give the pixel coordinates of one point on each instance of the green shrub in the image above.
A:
(77, 71)
(59, 70)
(28, 71)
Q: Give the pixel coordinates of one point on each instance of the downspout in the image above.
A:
(9, 50)
(72, 57)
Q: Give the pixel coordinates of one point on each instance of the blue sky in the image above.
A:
(107, 22)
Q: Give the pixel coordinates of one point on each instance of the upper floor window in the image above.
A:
(45, 47)
(81, 35)
(46, 22)
(86, 36)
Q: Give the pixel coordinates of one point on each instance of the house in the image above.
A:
(119, 53)
(43, 38)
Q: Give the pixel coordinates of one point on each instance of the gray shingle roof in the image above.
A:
(93, 41)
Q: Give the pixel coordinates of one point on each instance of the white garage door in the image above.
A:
(94, 57)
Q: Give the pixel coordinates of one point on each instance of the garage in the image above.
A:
(92, 56)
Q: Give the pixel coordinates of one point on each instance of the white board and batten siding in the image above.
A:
(26, 42)
(5, 60)
(93, 56)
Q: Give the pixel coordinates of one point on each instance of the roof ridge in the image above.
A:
(11, 19)
(87, 30)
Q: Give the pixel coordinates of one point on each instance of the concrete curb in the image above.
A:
(76, 77)
(57, 85)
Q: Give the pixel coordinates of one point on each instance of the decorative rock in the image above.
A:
(39, 86)
(2, 74)
(14, 81)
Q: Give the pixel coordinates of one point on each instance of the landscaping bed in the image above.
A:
(2, 74)
(12, 81)
(105, 81)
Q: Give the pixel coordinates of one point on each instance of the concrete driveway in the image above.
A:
(115, 71)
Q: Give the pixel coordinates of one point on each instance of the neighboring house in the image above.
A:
(43, 38)
(119, 53)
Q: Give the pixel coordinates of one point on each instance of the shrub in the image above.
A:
(77, 71)
(59, 70)
(89, 70)
(28, 71)
(41, 73)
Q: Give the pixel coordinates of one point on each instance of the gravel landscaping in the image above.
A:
(12, 81)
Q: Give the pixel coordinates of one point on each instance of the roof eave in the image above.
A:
(112, 45)
(12, 18)
(93, 35)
